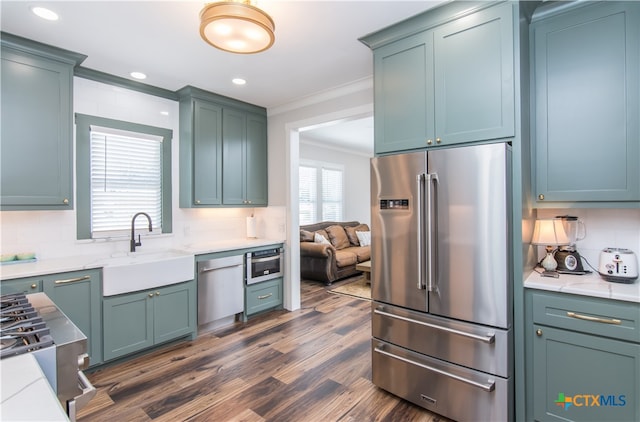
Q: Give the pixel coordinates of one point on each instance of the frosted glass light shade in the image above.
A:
(237, 27)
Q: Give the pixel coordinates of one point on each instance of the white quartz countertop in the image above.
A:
(26, 393)
(86, 262)
(586, 285)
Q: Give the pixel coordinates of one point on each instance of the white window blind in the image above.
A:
(308, 194)
(126, 178)
(331, 194)
(320, 192)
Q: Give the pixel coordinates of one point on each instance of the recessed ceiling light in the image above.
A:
(44, 13)
(138, 75)
(238, 81)
(164, 113)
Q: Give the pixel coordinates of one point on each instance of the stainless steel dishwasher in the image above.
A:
(220, 289)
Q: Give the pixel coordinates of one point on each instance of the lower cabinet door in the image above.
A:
(78, 295)
(128, 323)
(174, 312)
(580, 377)
(263, 296)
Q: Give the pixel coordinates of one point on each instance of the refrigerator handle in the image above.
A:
(431, 178)
(420, 221)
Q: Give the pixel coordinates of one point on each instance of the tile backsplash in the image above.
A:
(618, 228)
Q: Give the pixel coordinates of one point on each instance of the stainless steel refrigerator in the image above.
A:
(441, 280)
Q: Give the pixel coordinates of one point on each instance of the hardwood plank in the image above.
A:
(313, 364)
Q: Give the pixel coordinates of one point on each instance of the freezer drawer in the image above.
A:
(453, 391)
(486, 349)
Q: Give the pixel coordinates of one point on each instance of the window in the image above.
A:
(320, 192)
(122, 168)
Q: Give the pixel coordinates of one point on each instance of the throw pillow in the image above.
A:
(318, 238)
(337, 237)
(306, 236)
(364, 238)
(351, 233)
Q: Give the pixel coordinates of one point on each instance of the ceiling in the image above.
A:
(316, 47)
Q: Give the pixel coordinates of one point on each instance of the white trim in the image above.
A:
(363, 84)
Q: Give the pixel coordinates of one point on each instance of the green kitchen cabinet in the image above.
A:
(200, 153)
(37, 141)
(586, 86)
(223, 151)
(78, 294)
(25, 285)
(584, 358)
(244, 151)
(263, 296)
(140, 320)
(444, 84)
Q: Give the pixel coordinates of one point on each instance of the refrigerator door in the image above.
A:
(470, 223)
(396, 248)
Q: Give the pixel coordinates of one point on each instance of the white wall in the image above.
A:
(618, 228)
(356, 177)
(353, 100)
(52, 234)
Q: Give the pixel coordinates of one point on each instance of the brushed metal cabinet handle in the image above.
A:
(594, 319)
(73, 280)
(265, 296)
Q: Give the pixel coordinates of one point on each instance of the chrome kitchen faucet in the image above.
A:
(133, 231)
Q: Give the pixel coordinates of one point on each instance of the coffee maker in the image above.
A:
(567, 257)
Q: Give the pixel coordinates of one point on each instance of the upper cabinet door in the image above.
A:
(447, 85)
(36, 132)
(207, 154)
(403, 92)
(233, 149)
(474, 77)
(586, 88)
(257, 160)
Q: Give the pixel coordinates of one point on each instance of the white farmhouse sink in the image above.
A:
(141, 271)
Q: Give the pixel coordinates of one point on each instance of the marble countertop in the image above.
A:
(86, 262)
(26, 393)
(586, 285)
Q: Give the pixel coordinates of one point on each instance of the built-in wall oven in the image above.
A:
(264, 264)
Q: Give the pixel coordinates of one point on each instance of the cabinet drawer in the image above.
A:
(263, 296)
(608, 318)
(23, 285)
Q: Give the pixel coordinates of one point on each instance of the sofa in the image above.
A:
(330, 250)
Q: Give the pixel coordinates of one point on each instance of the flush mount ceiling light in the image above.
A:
(236, 26)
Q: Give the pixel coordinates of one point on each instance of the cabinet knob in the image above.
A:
(541, 197)
(157, 293)
(438, 140)
(65, 201)
(429, 141)
(539, 332)
(150, 294)
(197, 201)
(248, 202)
(34, 286)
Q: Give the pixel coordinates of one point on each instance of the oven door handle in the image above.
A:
(265, 259)
(80, 401)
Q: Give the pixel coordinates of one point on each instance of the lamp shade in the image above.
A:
(236, 26)
(549, 232)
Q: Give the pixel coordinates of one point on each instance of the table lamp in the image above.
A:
(549, 233)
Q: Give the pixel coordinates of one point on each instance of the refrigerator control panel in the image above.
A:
(394, 204)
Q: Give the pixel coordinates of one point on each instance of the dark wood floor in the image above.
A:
(313, 364)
